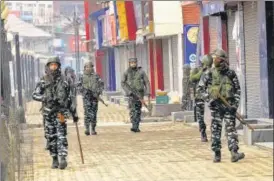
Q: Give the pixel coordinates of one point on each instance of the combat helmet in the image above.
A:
(132, 60)
(207, 61)
(68, 69)
(220, 53)
(89, 63)
(54, 60)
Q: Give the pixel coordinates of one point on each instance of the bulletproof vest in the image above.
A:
(135, 79)
(223, 83)
(90, 82)
(56, 93)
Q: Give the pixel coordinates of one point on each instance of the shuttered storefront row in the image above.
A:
(251, 35)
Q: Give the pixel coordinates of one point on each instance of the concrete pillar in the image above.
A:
(180, 64)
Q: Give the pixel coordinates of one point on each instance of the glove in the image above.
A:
(232, 109)
(75, 119)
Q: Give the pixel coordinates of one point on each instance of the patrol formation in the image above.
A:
(58, 92)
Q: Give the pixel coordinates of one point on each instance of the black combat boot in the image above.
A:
(235, 156)
(133, 128)
(93, 132)
(137, 128)
(217, 157)
(55, 162)
(47, 145)
(87, 132)
(63, 162)
(203, 136)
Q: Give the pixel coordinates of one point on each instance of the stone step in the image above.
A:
(265, 145)
(261, 133)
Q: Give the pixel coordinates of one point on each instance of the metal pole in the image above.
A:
(18, 67)
(76, 28)
(1, 65)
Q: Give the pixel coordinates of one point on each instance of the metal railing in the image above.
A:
(16, 141)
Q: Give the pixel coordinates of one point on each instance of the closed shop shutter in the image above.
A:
(118, 71)
(213, 32)
(231, 43)
(165, 48)
(174, 48)
(105, 71)
(251, 35)
(141, 55)
(145, 62)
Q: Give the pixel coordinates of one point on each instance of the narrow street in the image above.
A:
(161, 152)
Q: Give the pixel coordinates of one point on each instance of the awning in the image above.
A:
(15, 25)
(96, 14)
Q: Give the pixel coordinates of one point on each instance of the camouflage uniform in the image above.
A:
(42, 80)
(195, 76)
(55, 95)
(135, 81)
(222, 80)
(91, 87)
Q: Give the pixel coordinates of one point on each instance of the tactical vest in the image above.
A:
(135, 80)
(90, 82)
(57, 91)
(222, 83)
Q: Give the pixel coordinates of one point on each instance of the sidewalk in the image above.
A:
(161, 152)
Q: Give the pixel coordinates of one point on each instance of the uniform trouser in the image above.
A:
(135, 107)
(220, 114)
(57, 136)
(200, 111)
(44, 124)
(91, 109)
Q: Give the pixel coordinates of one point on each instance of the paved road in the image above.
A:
(161, 152)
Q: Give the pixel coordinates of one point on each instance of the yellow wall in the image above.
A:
(121, 11)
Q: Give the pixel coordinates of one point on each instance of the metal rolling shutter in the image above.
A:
(174, 47)
(145, 58)
(213, 32)
(141, 55)
(166, 64)
(105, 69)
(231, 43)
(117, 68)
(252, 59)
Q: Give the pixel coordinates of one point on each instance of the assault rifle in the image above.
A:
(238, 116)
(101, 100)
(135, 93)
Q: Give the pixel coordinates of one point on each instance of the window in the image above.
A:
(49, 6)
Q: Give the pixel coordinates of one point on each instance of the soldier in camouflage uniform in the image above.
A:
(136, 85)
(92, 87)
(56, 96)
(195, 77)
(222, 81)
(43, 114)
